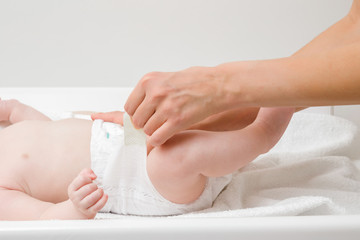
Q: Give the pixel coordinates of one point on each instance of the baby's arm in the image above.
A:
(85, 201)
(14, 111)
(17, 205)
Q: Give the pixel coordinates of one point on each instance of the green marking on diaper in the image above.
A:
(107, 135)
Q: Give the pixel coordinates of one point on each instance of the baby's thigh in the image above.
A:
(181, 153)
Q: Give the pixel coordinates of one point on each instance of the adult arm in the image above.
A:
(326, 78)
(342, 33)
(324, 72)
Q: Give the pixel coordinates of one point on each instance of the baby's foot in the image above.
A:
(85, 194)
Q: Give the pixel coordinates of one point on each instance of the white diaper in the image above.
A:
(118, 158)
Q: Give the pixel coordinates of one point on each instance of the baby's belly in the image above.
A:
(44, 157)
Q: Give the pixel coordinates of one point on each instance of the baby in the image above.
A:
(74, 168)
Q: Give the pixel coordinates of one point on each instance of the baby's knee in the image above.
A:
(173, 177)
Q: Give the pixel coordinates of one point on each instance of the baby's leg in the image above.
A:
(274, 121)
(235, 149)
(15, 111)
(179, 168)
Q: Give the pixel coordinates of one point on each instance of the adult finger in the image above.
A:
(136, 97)
(115, 117)
(155, 121)
(162, 134)
(143, 113)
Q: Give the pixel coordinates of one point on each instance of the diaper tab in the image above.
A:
(132, 136)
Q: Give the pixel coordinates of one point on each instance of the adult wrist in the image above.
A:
(263, 83)
(237, 83)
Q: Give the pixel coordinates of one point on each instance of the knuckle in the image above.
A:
(193, 68)
(178, 119)
(157, 95)
(152, 74)
(181, 120)
(167, 109)
(148, 78)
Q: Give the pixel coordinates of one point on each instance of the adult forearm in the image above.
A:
(324, 72)
(329, 78)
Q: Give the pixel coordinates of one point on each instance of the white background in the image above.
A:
(87, 43)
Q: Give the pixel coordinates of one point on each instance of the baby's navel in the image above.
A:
(24, 156)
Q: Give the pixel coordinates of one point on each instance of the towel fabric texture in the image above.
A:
(313, 170)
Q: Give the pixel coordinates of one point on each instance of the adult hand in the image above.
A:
(166, 103)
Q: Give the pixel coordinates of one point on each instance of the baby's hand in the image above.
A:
(85, 194)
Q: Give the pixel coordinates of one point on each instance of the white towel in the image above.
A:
(309, 172)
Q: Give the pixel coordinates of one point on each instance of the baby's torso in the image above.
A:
(42, 158)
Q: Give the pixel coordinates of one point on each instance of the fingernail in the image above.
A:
(93, 115)
(92, 174)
